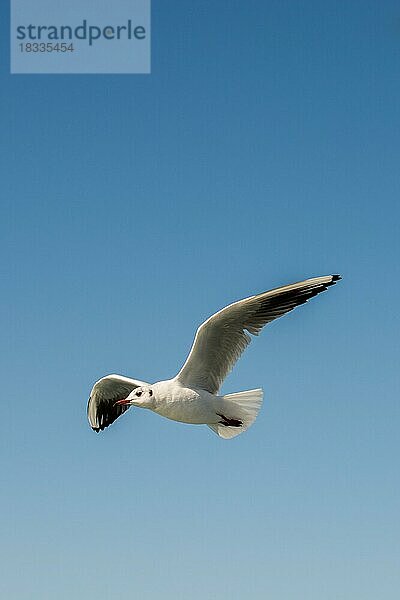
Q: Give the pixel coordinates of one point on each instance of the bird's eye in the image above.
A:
(138, 394)
(150, 392)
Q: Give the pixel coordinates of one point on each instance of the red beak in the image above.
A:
(124, 401)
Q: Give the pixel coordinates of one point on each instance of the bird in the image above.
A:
(192, 396)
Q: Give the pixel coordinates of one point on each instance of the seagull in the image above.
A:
(192, 396)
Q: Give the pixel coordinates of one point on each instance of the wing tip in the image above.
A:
(334, 279)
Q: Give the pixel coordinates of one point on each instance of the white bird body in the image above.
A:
(186, 405)
(192, 396)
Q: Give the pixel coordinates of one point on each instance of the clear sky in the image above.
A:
(263, 149)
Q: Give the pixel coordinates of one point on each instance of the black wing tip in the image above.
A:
(101, 427)
(105, 420)
(334, 279)
(311, 293)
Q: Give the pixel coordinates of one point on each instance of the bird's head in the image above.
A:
(140, 396)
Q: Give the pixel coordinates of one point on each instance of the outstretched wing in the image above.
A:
(101, 408)
(221, 339)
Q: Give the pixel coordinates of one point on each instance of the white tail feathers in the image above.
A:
(237, 413)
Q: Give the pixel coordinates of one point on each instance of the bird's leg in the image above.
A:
(229, 422)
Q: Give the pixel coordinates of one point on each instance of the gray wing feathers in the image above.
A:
(221, 339)
(105, 393)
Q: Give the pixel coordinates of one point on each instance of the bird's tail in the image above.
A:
(237, 412)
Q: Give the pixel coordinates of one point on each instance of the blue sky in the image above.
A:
(263, 149)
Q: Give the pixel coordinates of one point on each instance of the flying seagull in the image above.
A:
(192, 395)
